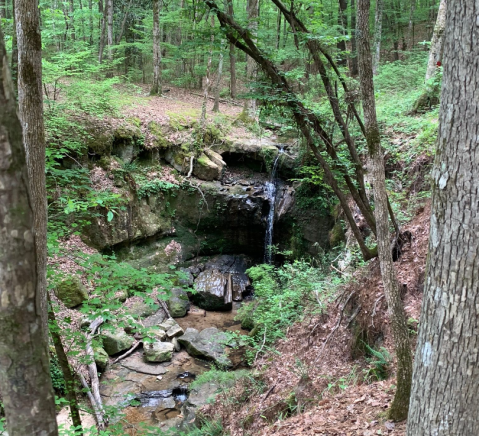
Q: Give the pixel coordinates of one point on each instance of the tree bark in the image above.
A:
(400, 404)
(3, 9)
(206, 86)
(353, 63)
(230, 12)
(156, 88)
(67, 372)
(377, 35)
(343, 23)
(444, 399)
(437, 42)
(109, 14)
(216, 105)
(30, 105)
(14, 64)
(25, 380)
(103, 11)
(250, 103)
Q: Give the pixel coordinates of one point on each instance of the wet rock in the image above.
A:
(71, 292)
(198, 397)
(158, 351)
(136, 363)
(178, 304)
(208, 344)
(115, 341)
(101, 358)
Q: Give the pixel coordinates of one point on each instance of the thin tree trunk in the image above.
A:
(103, 12)
(71, 20)
(122, 28)
(67, 373)
(156, 88)
(411, 25)
(25, 382)
(109, 14)
(250, 103)
(444, 400)
(353, 65)
(437, 42)
(343, 24)
(377, 35)
(278, 29)
(90, 19)
(216, 106)
(3, 9)
(400, 404)
(230, 12)
(206, 86)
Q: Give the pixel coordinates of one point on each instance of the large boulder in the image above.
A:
(212, 291)
(208, 344)
(116, 341)
(158, 351)
(205, 169)
(178, 304)
(71, 292)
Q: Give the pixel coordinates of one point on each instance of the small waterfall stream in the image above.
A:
(270, 191)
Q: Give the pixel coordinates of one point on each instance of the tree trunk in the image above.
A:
(125, 17)
(90, 19)
(103, 11)
(377, 35)
(437, 42)
(71, 12)
(3, 9)
(156, 88)
(353, 63)
(444, 399)
(216, 106)
(232, 54)
(399, 407)
(67, 372)
(30, 105)
(109, 13)
(206, 86)
(25, 380)
(14, 64)
(411, 25)
(250, 103)
(343, 24)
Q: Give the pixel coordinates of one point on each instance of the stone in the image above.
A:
(175, 331)
(141, 309)
(136, 363)
(158, 351)
(155, 319)
(205, 169)
(71, 292)
(208, 344)
(176, 344)
(166, 325)
(116, 341)
(155, 333)
(211, 291)
(101, 358)
(178, 304)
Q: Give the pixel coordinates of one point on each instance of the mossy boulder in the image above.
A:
(156, 137)
(71, 292)
(116, 341)
(205, 169)
(101, 358)
(178, 304)
(158, 351)
(336, 235)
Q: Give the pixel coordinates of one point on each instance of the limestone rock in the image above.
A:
(211, 286)
(205, 169)
(176, 344)
(166, 325)
(208, 344)
(71, 292)
(175, 331)
(178, 304)
(158, 351)
(116, 341)
(101, 358)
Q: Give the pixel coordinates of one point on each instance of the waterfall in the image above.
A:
(270, 191)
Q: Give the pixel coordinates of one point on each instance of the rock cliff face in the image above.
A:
(222, 208)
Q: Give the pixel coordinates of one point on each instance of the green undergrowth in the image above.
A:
(282, 296)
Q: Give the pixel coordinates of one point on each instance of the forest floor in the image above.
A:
(319, 369)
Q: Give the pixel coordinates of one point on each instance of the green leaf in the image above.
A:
(109, 216)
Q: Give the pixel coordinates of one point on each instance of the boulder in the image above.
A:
(212, 291)
(101, 358)
(175, 331)
(116, 341)
(208, 344)
(178, 304)
(166, 325)
(141, 309)
(158, 351)
(205, 169)
(71, 292)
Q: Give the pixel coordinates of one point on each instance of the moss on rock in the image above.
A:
(71, 292)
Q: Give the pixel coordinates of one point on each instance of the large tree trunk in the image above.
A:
(156, 88)
(377, 35)
(399, 407)
(30, 105)
(25, 380)
(343, 23)
(437, 42)
(444, 399)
